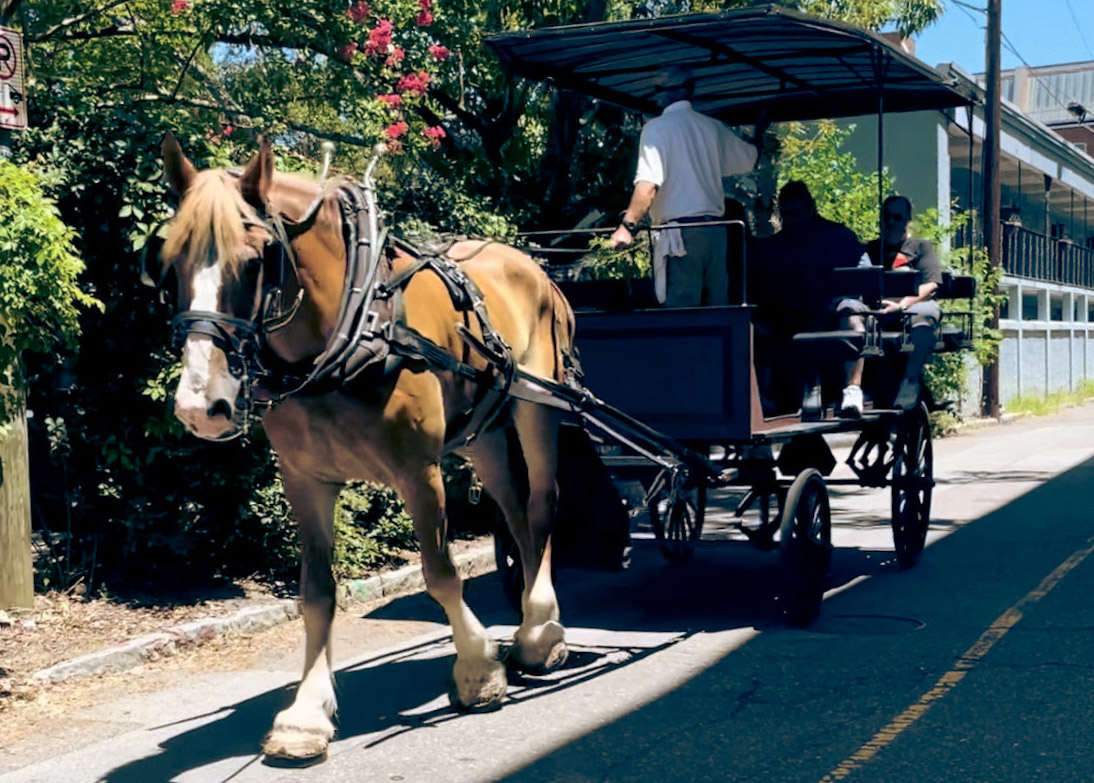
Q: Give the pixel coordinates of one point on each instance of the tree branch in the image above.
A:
(7, 9)
(114, 31)
(71, 21)
(472, 121)
(197, 103)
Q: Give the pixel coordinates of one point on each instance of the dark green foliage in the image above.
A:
(144, 502)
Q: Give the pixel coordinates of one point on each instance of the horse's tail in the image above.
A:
(563, 327)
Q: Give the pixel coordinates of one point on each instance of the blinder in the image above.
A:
(154, 273)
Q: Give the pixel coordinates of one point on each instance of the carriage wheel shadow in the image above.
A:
(728, 584)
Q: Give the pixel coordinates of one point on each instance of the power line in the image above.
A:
(1078, 27)
(1043, 82)
(970, 6)
(964, 8)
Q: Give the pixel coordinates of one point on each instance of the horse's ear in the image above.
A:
(258, 176)
(180, 171)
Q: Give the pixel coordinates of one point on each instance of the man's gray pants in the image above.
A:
(700, 276)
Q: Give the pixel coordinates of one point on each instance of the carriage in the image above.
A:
(369, 358)
(696, 417)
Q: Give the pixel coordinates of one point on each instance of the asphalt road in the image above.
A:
(976, 666)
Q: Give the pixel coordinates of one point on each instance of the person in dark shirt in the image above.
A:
(917, 256)
(790, 278)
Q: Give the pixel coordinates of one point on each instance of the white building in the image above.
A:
(1047, 183)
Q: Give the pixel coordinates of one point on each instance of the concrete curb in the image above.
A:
(152, 647)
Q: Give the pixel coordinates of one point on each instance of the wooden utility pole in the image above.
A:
(16, 570)
(990, 205)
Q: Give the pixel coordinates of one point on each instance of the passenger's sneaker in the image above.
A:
(851, 407)
(812, 405)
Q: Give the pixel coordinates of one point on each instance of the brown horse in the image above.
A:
(393, 432)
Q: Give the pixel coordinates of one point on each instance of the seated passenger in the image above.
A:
(789, 275)
(917, 256)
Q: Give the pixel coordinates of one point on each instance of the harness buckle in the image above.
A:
(372, 320)
(474, 490)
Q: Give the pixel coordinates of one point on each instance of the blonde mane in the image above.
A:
(211, 215)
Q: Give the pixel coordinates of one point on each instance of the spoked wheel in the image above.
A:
(805, 550)
(507, 558)
(676, 512)
(913, 481)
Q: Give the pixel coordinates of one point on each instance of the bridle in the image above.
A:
(244, 340)
(369, 331)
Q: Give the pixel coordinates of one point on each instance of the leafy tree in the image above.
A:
(39, 295)
(812, 153)
(474, 150)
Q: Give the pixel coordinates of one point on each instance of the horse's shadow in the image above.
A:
(385, 695)
(381, 697)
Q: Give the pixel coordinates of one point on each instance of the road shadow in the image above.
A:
(793, 704)
(400, 692)
(727, 585)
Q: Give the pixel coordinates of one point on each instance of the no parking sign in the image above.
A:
(13, 105)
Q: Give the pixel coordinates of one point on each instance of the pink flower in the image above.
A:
(397, 56)
(439, 52)
(425, 5)
(391, 99)
(358, 12)
(394, 146)
(227, 130)
(434, 133)
(425, 19)
(347, 51)
(413, 83)
(396, 130)
(379, 38)
(179, 6)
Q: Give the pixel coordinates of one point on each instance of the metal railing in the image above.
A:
(1038, 257)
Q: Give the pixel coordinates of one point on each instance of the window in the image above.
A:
(1004, 308)
(1029, 307)
(1056, 308)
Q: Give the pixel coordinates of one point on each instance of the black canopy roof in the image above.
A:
(795, 66)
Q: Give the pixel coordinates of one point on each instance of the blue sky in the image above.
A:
(1044, 32)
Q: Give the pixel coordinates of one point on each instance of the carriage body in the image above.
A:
(671, 385)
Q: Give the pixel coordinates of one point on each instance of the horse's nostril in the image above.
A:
(220, 408)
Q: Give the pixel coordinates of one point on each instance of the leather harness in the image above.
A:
(370, 339)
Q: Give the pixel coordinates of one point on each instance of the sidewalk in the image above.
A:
(404, 581)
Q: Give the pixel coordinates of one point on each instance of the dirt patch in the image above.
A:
(61, 626)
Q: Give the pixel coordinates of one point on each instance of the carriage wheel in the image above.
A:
(913, 481)
(805, 550)
(677, 518)
(510, 570)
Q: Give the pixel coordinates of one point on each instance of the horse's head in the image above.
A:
(219, 245)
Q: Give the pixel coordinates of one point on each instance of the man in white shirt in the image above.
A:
(683, 158)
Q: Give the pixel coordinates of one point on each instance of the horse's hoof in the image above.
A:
(298, 739)
(539, 650)
(477, 685)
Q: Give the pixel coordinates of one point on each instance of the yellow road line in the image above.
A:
(965, 663)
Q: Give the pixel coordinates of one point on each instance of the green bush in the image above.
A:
(39, 295)
(371, 529)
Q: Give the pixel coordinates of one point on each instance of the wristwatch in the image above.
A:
(632, 227)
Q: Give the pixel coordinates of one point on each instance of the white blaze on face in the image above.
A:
(205, 378)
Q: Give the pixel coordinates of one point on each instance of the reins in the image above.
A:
(369, 330)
